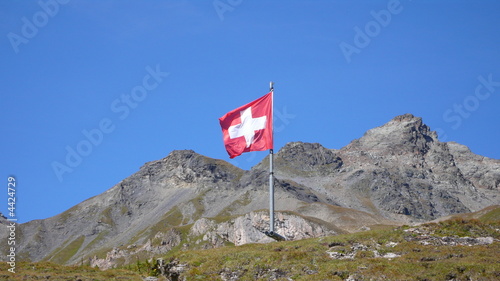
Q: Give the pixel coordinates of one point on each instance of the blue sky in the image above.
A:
(121, 83)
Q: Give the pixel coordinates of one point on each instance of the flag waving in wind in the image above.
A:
(249, 127)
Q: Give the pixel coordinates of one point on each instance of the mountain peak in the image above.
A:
(408, 117)
(403, 124)
(403, 134)
(300, 156)
(180, 156)
(190, 167)
(306, 154)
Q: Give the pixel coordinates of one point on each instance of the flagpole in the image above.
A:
(271, 179)
(271, 232)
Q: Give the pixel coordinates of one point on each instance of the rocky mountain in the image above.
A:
(397, 173)
(399, 170)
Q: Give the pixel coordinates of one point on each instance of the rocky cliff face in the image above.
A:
(399, 170)
(396, 173)
(250, 228)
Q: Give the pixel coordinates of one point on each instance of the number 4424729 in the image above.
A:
(11, 191)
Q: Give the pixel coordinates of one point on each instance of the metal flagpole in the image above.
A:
(271, 179)
(271, 232)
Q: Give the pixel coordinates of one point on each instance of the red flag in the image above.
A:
(249, 127)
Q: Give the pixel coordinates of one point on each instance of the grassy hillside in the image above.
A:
(403, 253)
(52, 271)
(461, 248)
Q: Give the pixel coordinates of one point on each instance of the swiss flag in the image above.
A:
(249, 127)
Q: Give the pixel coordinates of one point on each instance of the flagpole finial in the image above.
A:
(271, 85)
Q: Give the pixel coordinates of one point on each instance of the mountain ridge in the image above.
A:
(394, 174)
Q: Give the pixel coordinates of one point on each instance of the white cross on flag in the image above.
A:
(249, 127)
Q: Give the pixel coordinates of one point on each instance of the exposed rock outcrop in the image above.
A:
(250, 228)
